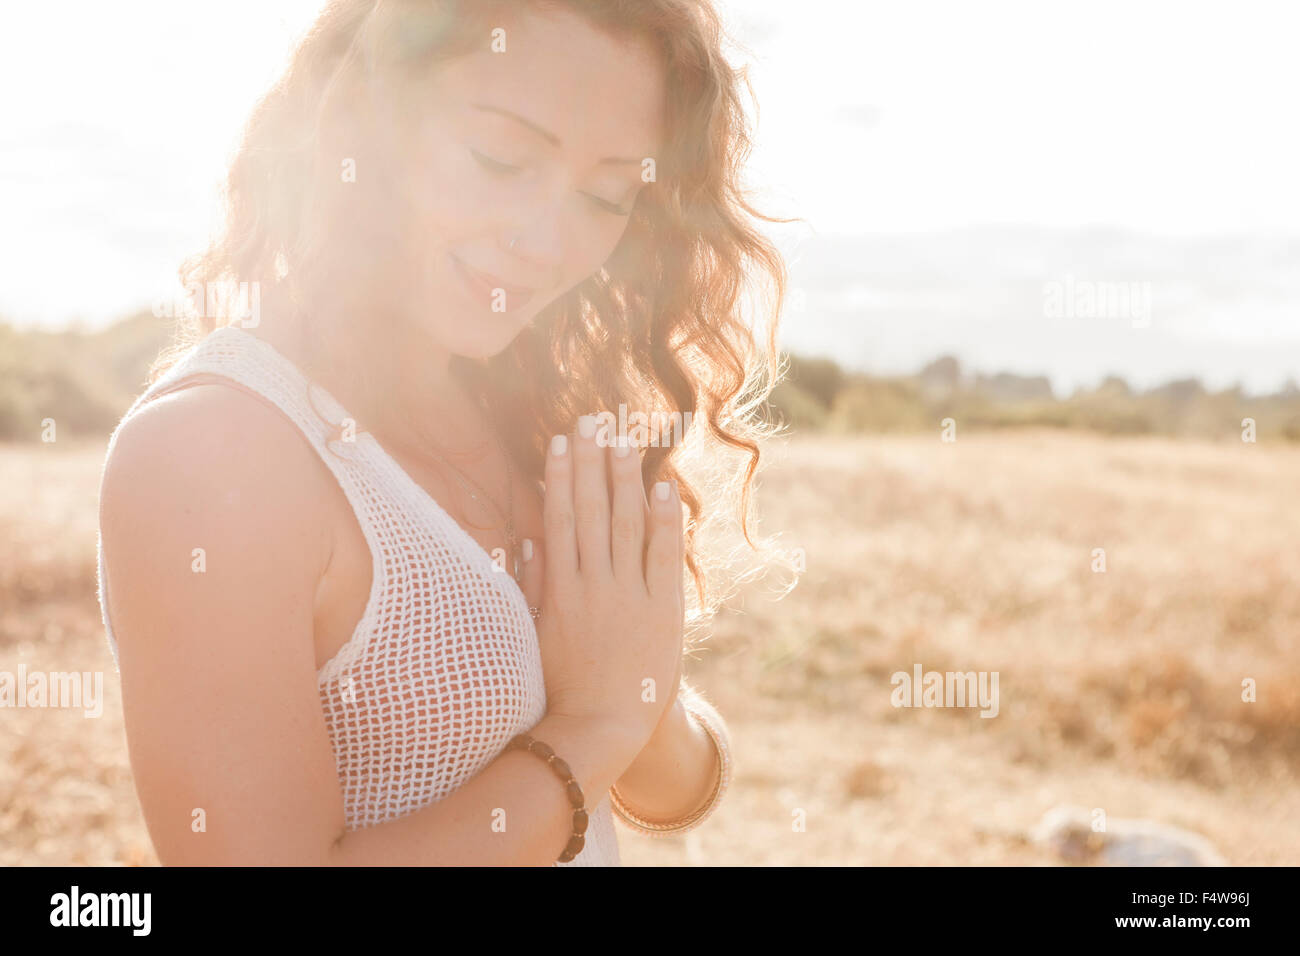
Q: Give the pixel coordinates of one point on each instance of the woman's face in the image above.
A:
(544, 142)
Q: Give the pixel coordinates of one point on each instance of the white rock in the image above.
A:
(1067, 831)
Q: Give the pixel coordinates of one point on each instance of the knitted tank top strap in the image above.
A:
(232, 353)
(257, 367)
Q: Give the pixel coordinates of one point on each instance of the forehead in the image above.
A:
(600, 94)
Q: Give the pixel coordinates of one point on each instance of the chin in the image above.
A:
(474, 333)
(484, 345)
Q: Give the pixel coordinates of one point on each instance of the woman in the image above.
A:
(383, 589)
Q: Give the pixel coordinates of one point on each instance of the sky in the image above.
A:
(1173, 118)
(1170, 119)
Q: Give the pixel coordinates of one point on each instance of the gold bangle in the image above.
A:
(708, 718)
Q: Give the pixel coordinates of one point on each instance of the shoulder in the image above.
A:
(214, 461)
(208, 437)
(214, 542)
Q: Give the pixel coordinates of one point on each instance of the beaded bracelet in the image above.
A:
(571, 787)
(708, 718)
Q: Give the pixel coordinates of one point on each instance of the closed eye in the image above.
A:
(494, 165)
(498, 168)
(608, 206)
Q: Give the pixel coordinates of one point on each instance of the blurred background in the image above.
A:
(1044, 300)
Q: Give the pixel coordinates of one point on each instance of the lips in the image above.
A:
(482, 285)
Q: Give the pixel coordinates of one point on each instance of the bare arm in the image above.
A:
(228, 742)
(674, 774)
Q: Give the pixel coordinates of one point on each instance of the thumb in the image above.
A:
(534, 571)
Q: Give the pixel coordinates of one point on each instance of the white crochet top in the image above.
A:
(443, 668)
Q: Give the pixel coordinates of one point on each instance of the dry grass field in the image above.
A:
(1119, 690)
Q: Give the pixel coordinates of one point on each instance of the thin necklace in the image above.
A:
(476, 491)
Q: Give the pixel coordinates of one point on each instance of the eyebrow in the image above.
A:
(548, 135)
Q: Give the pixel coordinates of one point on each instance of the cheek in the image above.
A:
(446, 198)
(593, 237)
(586, 251)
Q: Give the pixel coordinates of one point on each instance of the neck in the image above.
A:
(390, 374)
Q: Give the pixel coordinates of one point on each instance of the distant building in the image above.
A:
(1009, 387)
(940, 378)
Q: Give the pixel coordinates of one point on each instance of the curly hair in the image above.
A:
(660, 326)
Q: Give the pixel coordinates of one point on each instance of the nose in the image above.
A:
(540, 241)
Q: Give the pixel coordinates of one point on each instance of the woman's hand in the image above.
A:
(610, 584)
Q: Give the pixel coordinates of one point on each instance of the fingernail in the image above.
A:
(528, 549)
(622, 449)
(559, 444)
(587, 426)
(661, 490)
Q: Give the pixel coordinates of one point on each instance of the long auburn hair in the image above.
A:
(661, 326)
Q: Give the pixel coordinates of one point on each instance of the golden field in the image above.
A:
(1119, 690)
